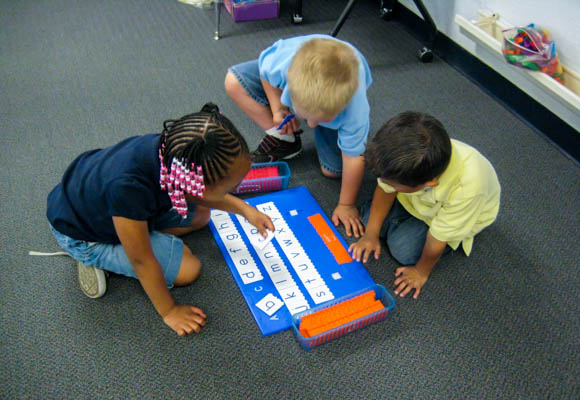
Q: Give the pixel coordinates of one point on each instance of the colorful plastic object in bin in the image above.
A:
(265, 177)
(250, 10)
(341, 316)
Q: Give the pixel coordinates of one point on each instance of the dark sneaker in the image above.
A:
(92, 280)
(273, 149)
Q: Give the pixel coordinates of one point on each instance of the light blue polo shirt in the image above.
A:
(353, 123)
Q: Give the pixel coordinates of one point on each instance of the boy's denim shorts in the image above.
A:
(168, 249)
(325, 139)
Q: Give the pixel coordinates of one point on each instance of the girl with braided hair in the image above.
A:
(123, 208)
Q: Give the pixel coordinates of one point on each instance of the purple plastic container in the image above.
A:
(252, 10)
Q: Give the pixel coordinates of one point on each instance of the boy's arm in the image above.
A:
(353, 169)
(235, 205)
(279, 110)
(273, 94)
(409, 278)
(380, 207)
(458, 215)
(134, 236)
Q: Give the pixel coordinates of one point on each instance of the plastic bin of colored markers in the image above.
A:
(308, 343)
(265, 177)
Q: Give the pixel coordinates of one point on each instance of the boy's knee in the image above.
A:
(329, 174)
(189, 270)
(403, 251)
(232, 85)
(365, 212)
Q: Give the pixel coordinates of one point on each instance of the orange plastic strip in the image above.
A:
(338, 312)
(330, 240)
(329, 314)
(377, 306)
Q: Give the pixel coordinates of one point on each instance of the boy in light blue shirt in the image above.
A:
(324, 81)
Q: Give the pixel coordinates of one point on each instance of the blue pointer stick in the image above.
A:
(287, 119)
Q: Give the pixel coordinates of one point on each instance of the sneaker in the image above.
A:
(92, 280)
(273, 149)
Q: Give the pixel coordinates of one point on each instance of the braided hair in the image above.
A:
(196, 150)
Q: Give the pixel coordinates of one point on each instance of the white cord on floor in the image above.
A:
(57, 253)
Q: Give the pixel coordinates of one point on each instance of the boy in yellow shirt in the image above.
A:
(433, 194)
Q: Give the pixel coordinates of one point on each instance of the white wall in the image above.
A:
(560, 17)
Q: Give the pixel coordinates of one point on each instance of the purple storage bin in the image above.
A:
(252, 10)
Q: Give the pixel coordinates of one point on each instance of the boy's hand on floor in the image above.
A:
(185, 319)
(350, 218)
(409, 278)
(365, 247)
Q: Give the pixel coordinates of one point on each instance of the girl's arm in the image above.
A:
(134, 236)
(235, 205)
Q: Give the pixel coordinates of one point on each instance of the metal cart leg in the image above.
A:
(387, 10)
(426, 52)
(342, 18)
(217, 19)
(297, 14)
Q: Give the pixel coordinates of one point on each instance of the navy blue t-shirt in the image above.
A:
(121, 180)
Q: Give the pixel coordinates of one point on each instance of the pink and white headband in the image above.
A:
(180, 180)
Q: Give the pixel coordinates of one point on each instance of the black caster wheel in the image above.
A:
(296, 18)
(386, 13)
(425, 55)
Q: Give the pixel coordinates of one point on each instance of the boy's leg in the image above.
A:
(406, 239)
(405, 235)
(396, 215)
(329, 154)
(244, 87)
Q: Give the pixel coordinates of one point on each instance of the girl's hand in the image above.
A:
(261, 221)
(365, 247)
(290, 127)
(185, 319)
(349, 216)
(409, 278)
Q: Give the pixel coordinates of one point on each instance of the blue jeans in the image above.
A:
(325, 139)
(405, 235)
(168, 249)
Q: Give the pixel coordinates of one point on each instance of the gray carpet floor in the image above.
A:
(82, 74)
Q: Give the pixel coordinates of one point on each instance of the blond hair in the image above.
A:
(323, 76)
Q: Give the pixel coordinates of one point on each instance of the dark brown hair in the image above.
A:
(411, 149)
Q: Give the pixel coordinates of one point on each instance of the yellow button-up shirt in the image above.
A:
(465, 201)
